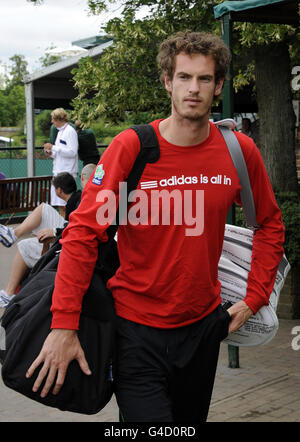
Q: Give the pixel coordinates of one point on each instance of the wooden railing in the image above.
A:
(24, 194)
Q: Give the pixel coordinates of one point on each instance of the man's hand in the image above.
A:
(59, 349)
(47, 148)
(240, 313)
(44, 234)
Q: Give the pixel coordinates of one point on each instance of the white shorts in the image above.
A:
(50, 219)
(30, 248)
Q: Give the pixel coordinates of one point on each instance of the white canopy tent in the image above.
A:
(67, 51)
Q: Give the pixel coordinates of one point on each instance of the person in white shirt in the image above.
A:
(64, 151)
(44, 223)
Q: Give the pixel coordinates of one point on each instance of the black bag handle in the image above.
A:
(149, 153)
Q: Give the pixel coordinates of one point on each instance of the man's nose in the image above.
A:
(194, 86)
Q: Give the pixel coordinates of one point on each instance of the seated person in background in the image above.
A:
(44, 222)
(87, 145)
(246, 127)
(44, 216)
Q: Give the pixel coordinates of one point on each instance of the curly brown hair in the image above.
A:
(193, 43)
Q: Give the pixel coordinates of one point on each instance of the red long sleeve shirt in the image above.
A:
(168, 274)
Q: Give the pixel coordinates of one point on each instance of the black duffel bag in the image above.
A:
(27, 322)
(27, 319)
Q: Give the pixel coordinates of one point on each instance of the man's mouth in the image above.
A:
(193, 100)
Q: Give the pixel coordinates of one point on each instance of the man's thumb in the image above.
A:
(83, 364)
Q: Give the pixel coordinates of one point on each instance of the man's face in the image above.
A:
(57, 191)
(57, 123)
(193, 87)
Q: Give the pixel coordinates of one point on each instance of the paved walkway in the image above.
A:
(266, 387)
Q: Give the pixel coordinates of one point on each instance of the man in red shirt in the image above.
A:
(166, 290)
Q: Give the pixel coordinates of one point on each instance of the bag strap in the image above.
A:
(238, 160)
(149, 153)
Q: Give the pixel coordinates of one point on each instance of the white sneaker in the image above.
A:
(7, 236)
(5, 299)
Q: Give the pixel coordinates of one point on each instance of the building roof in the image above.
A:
(53, 86)
(90, 42)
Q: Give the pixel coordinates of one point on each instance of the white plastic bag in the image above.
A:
(234, 265)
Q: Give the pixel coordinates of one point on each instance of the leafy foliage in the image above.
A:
(289, 204)
(43, 121)
(17, 70)
(12, 95)
(126, 78)
(48, 59)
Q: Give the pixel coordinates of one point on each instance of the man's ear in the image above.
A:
(168, 83)
(58, 191)
(219, 87)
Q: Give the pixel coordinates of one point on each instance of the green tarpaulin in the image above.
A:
(264, 11)
(229, 6)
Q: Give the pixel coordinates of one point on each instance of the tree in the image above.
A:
(17, 70)
(12, 95)
(126, 78)
(12, 105)
(276, 114)
(3, 75)
(16, 105)
(48, 59)
(270, 46)
(266, 48)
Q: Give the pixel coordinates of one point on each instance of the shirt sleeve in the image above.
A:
(86, 229)
(268, 240)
